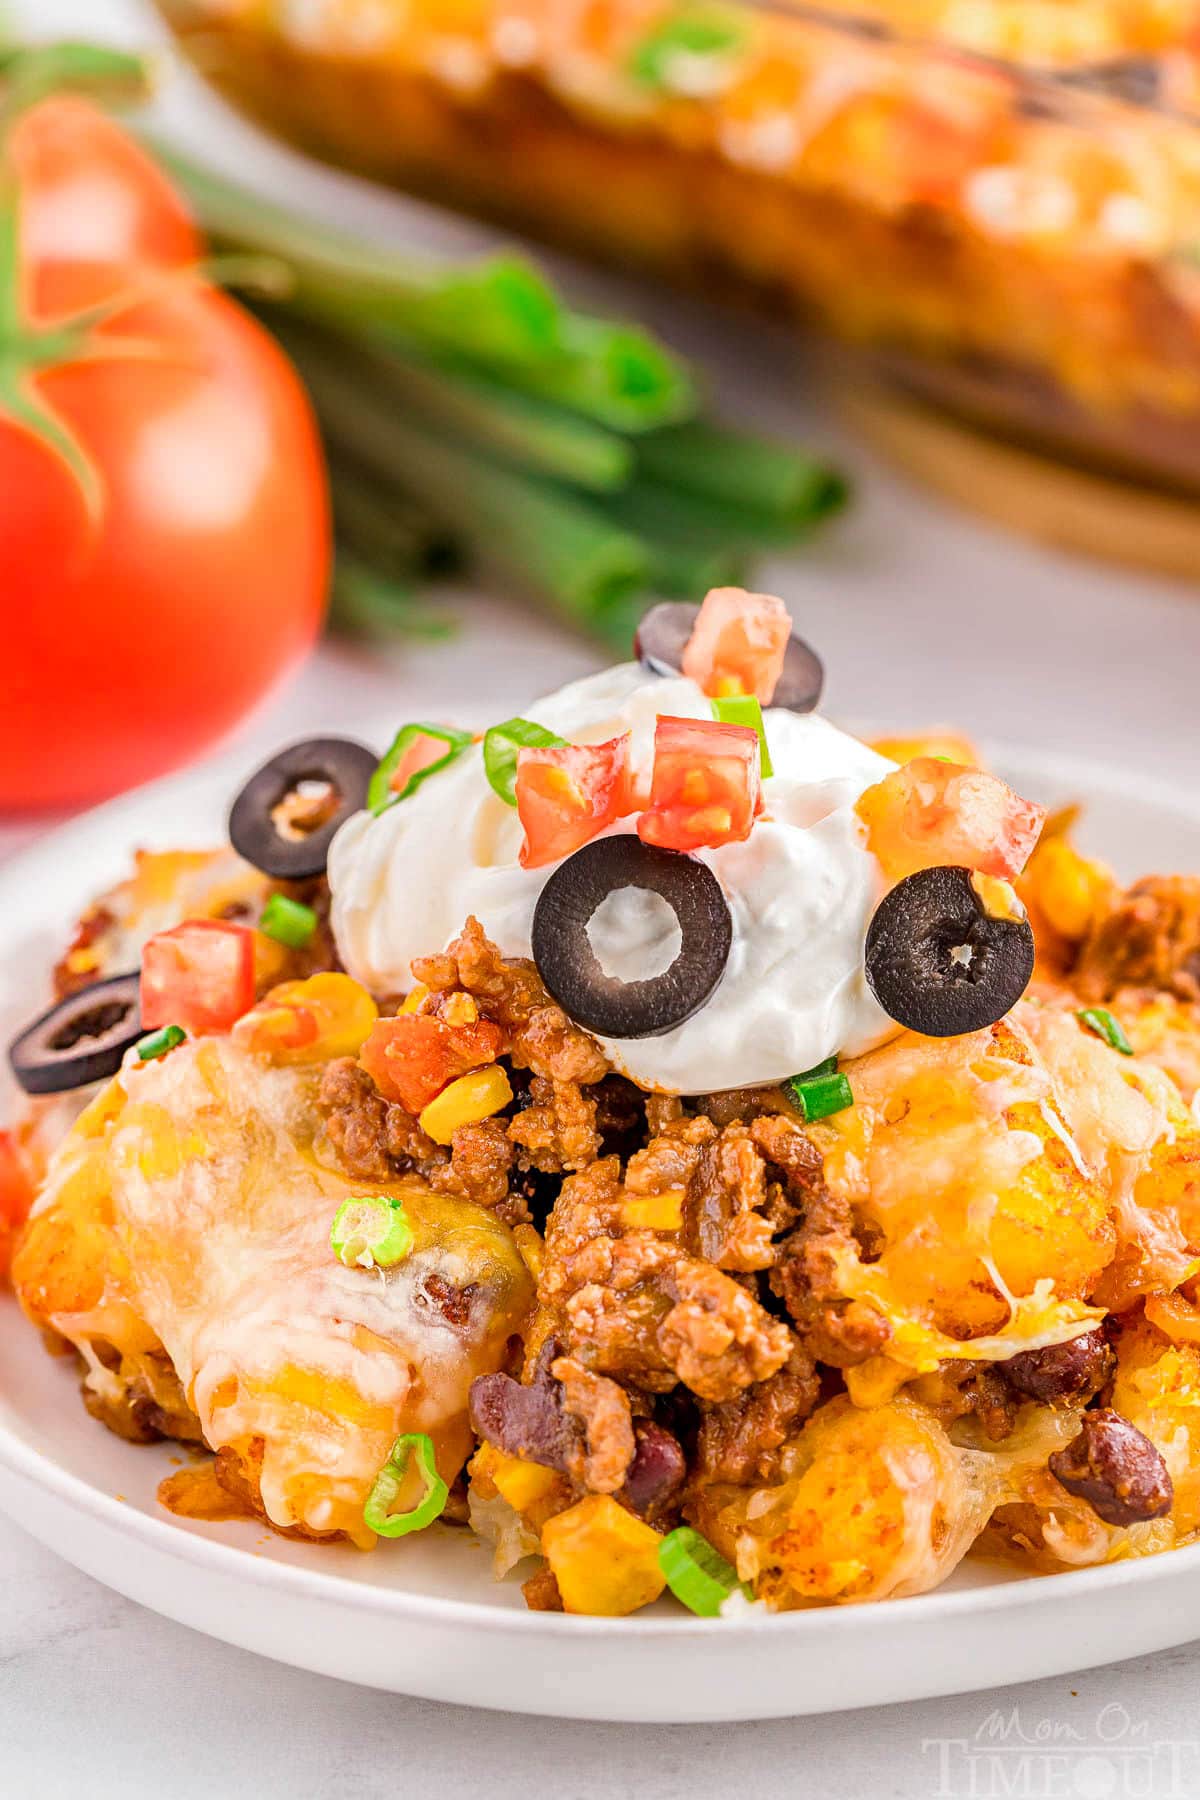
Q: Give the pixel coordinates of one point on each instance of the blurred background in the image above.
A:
(890, 307)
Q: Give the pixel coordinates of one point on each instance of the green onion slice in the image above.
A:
(696, 1573)
(414, 1447)
(744, 709)
(820, 1092)
(679, 40)
(288, 921)
(370, 1231)
(1102, 1022)
(501, 746)
(157, 1043)
(379, 793)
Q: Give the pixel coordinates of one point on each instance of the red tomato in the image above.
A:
(150, 601)
(199, 975)
(413, 1057)
(705, 788)
(738, 643)
(91, 201)
(931, 813)
(566, 793)
(277, 1030)
(16, 1195)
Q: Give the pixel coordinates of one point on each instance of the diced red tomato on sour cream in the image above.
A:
(932, 813)
(199, 975)
(567, 794)
(706, 785)
(738, 644)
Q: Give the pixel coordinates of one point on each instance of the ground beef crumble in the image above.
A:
(1149, 937)
(685, 1291)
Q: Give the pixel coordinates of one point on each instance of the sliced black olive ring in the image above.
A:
(570, 968)
(664, 631)
(285, 832)
(938, 962)
(82, 1039)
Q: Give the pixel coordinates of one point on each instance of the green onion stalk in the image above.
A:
(469, 413)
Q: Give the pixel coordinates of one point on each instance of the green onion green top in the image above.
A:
(287, 921)
(820, 1092)
(696, 1573)
(1102, 1022)
(500, 748)
(157, 1043)
(371, 1231)
(680, 39)
(379, 793)
(414, 1447)
(744, 709)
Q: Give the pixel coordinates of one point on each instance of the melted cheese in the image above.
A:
(220, 1191)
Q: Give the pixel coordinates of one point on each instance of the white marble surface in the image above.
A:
(922, 616)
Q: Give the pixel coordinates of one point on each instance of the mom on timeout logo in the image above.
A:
(1009, 1757)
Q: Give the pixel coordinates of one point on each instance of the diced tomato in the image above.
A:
(16, 1195)
(277, 1032)
(413, 1057)
(313, 1020)
(566, 793)
(738, 644)
(930, 813)
(199, 975)
(705, 788)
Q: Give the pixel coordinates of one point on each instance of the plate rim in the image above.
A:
(842, 1623)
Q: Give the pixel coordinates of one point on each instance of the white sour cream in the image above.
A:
(801, 890)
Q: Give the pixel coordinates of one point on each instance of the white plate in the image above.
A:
(424, 1617)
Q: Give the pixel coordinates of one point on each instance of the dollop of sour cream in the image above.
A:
(801, 890)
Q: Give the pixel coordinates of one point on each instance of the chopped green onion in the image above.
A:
(758, 478)
(1102, 1022)
(500, 748)
(157, 1043)
(413, 1446)
(744, 709)
(288, 921)
(371, 1231)
(819, 1092)
(696, 1573)
(672, 46)
(380, 795)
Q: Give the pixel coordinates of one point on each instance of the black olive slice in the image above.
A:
(663, 632)
(570, 968)
(285, 817)
(82, 1039)
(938, 963)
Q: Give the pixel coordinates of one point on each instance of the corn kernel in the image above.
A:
(532, 1248)
(470, 1098)
(414, 999)
(655, 1212)
(324, 1016)
(999, 899)
(604, 1560)
(519, 1482)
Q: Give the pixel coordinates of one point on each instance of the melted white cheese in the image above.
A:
(801, 890)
